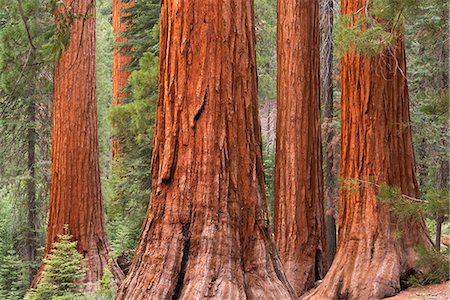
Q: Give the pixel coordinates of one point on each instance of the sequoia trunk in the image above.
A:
(121, 57)
(75, 197)
(299, 213)
(207, 233)
(375, 247)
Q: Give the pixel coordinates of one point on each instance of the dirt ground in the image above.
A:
(430, 292)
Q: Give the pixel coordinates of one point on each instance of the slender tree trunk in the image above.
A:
(121, 59)
(443, 174)
(207, 232)
(31, 235)
(299, 213)
(442, 181)
(422, 165)
(331, 189)
(75, 196)
(439, 222)
(375, 247)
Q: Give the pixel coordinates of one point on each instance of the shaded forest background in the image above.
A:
(26, 66)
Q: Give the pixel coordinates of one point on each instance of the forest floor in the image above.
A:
(439, 291)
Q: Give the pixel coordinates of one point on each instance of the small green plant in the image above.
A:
(13, 276)
(63, 272)
(433, 265)
(107, 288)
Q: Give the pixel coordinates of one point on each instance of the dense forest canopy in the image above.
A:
(223, 149)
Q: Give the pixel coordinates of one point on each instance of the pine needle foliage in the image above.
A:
(107, 291)
(374, 27)
(434, 265)
(436, 204)
(63, 271)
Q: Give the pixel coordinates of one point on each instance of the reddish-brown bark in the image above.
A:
(375, 247)
(121, 59)
(299, 214)
(207, 234)
(75, 196)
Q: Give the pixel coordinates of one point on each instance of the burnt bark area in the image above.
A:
(375, 247)
(206, 234)
(330, 145)
(299, 213)
(75, 195)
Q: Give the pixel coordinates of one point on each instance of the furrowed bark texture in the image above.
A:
(299, 213)
(207, 233)
(376, 146)
(121, 59)
(330, 145)
(75, 196)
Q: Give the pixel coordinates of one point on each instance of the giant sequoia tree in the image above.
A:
(207, 228)
(75, 197)
(375, 247)
(121, 59)
(299, 215)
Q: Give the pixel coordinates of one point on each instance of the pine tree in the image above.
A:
(63, 272)
(133, 122)
(13, 276)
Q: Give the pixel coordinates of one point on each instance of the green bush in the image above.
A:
(433, 265)
(63, 272)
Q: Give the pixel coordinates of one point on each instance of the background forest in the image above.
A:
(27, 53)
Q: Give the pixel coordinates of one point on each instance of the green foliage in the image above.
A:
(401, 207)
(364, 36)
(131, 179)
(266, 29)
(104, 53)
(269, 169)
(376, 27)
(433, 265)
(107, 290)
(25, 81)
(129, 183)
(13, 276)
(143, 34)
(63, 272)
(65, 15)
(13, 269)
(436, 204)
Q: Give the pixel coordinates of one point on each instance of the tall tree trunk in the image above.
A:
(207, 230)
(443, 174)
(331, 190)
(299, 213)
(31, 235)
(442, 184)
(422, 167)
(75, 196)
(121, 59)
(375, 247)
